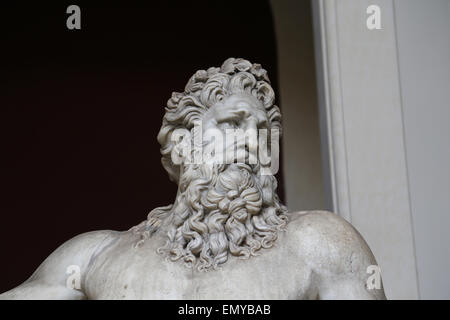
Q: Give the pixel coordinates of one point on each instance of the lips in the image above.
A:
(237, 152)
(240, 153)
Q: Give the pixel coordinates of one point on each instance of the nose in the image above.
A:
(251, 125)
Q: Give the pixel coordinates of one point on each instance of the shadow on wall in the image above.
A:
(302, 163)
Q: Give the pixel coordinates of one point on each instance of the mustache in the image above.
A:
(232, 152)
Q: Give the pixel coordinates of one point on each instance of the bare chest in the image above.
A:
(150, 276)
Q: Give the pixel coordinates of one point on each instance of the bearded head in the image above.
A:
(226, 204)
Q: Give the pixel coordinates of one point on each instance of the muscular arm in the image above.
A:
(338, 258)
(350, 289)
(50, 280)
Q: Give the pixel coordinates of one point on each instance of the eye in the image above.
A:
(229, 123)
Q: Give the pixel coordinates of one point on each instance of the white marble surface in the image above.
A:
(319, 256)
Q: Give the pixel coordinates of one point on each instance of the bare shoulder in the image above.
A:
(331, 241)
(49, 281)
(77, 252)
(337, 255)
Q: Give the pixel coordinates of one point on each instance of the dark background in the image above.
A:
(80, 111)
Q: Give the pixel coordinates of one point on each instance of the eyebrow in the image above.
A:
(239, 111)
(228, 114)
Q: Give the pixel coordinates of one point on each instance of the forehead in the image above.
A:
(242, 100)
(239, 103)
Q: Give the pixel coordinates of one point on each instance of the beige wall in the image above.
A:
(423, 36)
(362, 103)
(383, 107)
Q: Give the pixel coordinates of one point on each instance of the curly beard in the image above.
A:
(219, 210)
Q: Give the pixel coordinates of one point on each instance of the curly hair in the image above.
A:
(203, 90)
(220, 209)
